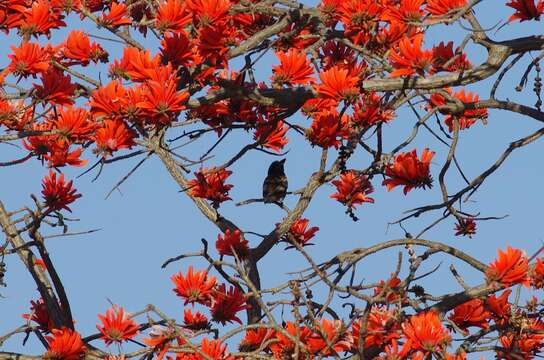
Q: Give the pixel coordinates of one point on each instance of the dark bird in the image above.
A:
(275, 184)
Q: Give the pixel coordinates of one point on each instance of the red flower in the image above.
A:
(28, 59)
(409, 171)
(116, 17)
(468, 117)
(272, 136)
(537, 274)
(294, 68)
(64, 344)
(511, 267)
(210, 184)
(162, 102)
(56, 88)
(526, 10)
(390, 290)
(327, 127)
(465, 227)
(443, 7)
(300, 233)
(56, 193)
(254, 338)
(212, 44)
(79, 48)
(73, 125)
(172, 15)
(178, 50)
(225, 304)
(353, 189)
(442, 59)
(195, 321)
(117, 326)
(195, 287)
(113, 135)
(14, 114)
(371, 110)
(426, 333)
(61, 155)
(471, 313)
(38, 314)
(338, 84)
(411, 59)
(136, 64)
(232, 242)
(526, 344)
(330, 332)
(499, 307)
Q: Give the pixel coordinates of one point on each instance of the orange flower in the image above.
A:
(327, 127)
(272, 136)
(426, 333)
(172, 15)
(214, 350)
(381, 328)
(38, 314)
(300, 233)
(255, 338)
(526, 10)
(135, 64)
(160, 339)
(39, 18)
(511, 267)
(195, 321)
(61, 155)
(233, 242)
(525, 345)
(338, 84)
(336, 335)
(73, 125)
(353, 189)
(208, 12)
(443, 7)
(537, 274)
(116, 16)
(409, 171)
(471, 313)
(465, 227)
(210, 184)
(56, 88)
(284, 347)
(79, 48)
(28, 59)
(117, 326)
(411, 59)
(294, 68)
(65, 344)
(113, 135)
(225, 304)
(56, 193)
(106, 100)
(13, 114)
(162, 102)
(195, 287)
(406, 11)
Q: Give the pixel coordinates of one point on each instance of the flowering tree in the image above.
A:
(345, 69)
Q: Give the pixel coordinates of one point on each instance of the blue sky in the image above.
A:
(148, 220)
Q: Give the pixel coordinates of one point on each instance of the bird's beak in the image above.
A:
(282, 161)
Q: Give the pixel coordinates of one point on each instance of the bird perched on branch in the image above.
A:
(275, 184)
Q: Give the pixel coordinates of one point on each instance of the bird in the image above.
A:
(275, 183)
